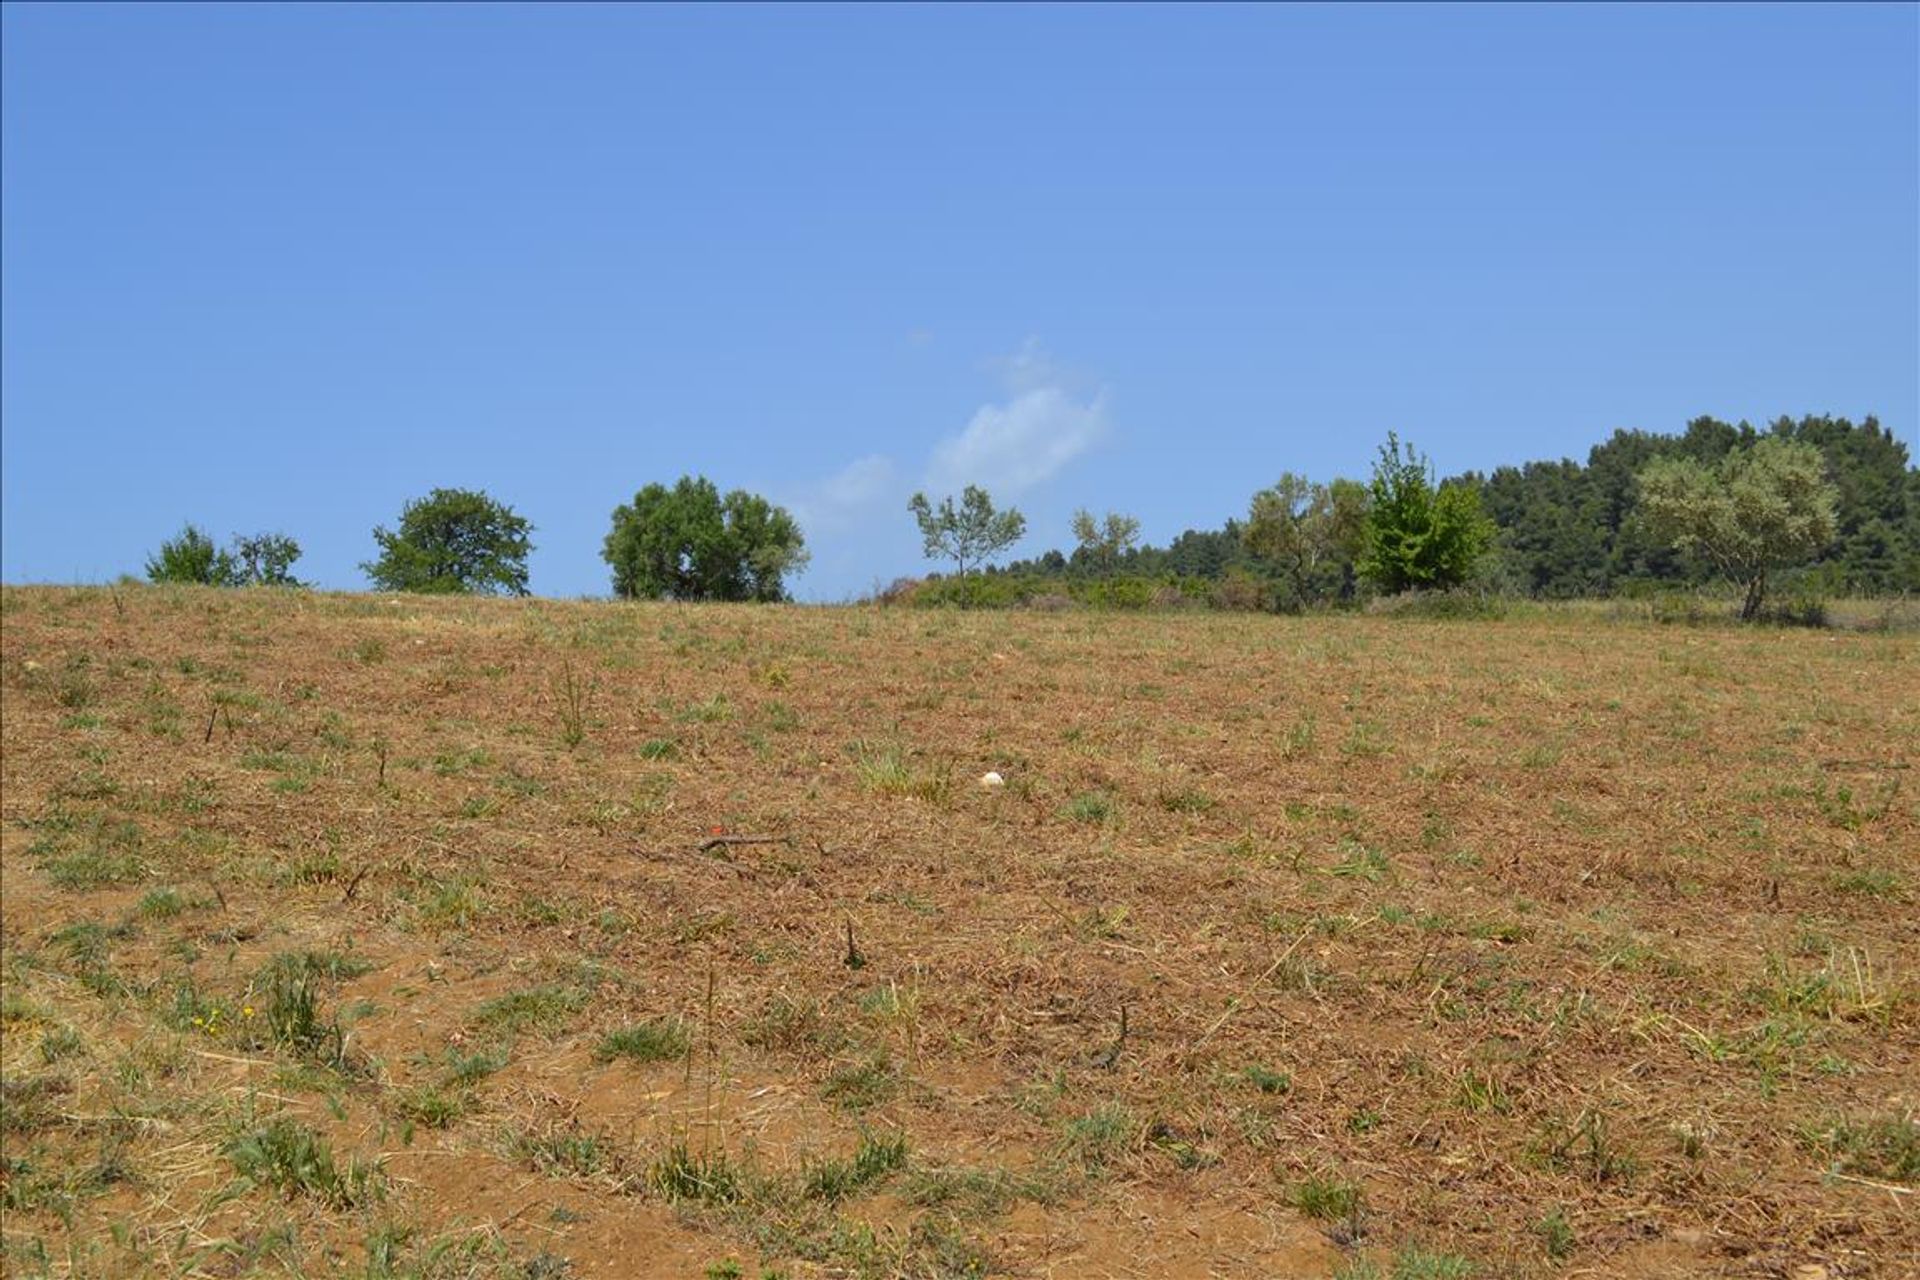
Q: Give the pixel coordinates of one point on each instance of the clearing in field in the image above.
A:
(383, 937)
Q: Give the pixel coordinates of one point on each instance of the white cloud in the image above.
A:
(843, 497)
(1028, 438)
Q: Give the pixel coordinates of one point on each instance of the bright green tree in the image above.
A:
(1420, 536)
(191, 556)
(1767, 505)
(453, 542)
(969, 535)
(689, 543)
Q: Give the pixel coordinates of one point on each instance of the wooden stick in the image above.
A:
(721, 842)
(1879, 1186)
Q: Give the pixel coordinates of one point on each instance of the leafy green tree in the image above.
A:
(1761, 507)
(689, 543)
(1312, 533)
(1104, 540)
(969, 535)
(261, 560)
(265, 560)
(1420, 536)
(453, 542)
(192, 557)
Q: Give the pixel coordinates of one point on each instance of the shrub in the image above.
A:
(1242, 592)
(256, 560)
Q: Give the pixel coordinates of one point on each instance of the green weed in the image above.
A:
(659, 1040)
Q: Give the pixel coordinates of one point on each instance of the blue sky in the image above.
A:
(284, 267)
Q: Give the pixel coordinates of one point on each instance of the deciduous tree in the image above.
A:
(1104, 540)
(689, 543)
(453, 542)
(1760, 507)
(1420, 536)
(970, 534)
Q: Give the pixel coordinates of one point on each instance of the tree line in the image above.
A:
(1832, 504)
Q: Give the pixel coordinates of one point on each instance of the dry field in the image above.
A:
(358, 936)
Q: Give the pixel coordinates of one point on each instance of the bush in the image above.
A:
(1243, 593)
(191, 557)
(899, 591)
(1796, 611)
(259, 560)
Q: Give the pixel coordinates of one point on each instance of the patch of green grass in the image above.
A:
(792, 1026)
(88, 949)
(334, 966)
(1327, 1197)
(682, 1174)
(712, 710)
(542, 1010)
(290, 1014)
(465, 1070)
(479, 806)
(860, 1085)
(29, 1104)
(874, 1160)
(1268, 1081)
(1556, 1234)
(57, 1043)
(452, 904)
(295, 1161)
(659, 749)
(451, 764)
(658, 1040)
(1415, 1263)
(1482, 1091)
(977, 1193)
(567, 1152)
(106, 853)
(1584, 1145)
(1360, 862)
(267, 761)
(1091, 807)
(1366, 739)
(1885, 1147)
(192, 1009)
(1872, 882)
(431, 1105)
(1187, 800)
(1099, 1137)
(162, 904)
(888, 770)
